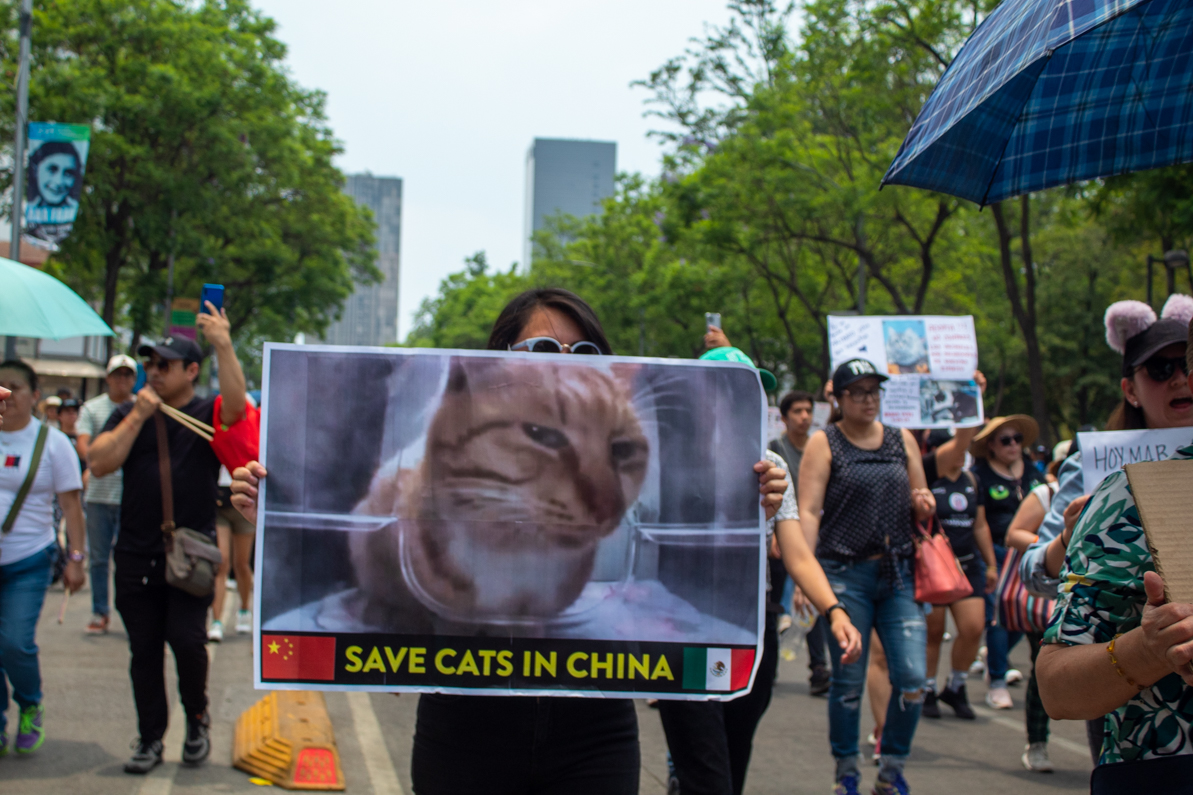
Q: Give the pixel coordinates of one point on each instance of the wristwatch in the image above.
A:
(837, 606)
(75, 556)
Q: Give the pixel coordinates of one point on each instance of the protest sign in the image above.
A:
(504, 523)
(57, 158)
(930, 360)
(1160, 489)
(1105, 452)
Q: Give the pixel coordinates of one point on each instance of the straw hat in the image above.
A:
(979, 447)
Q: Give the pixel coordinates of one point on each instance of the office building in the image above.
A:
(370, 315)
(565, 177)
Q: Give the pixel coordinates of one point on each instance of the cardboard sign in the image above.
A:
(492, 523)
(1105, 452)
(1161, 490)
(930, 360)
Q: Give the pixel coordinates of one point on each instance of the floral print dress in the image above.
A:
(1101, 595)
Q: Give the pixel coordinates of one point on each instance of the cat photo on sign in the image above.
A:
(949, 402)
(906, 346)
(511, 494)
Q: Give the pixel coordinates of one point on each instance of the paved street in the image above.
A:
(90, 722)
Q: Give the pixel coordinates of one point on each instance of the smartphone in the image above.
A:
(712, 319)
(213, 293)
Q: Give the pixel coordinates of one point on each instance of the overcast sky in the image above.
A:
(449, 95)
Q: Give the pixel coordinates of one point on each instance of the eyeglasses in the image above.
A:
(552, 345)
(1161, 368)
(861, 396)
(161, 365)
(1007, 441)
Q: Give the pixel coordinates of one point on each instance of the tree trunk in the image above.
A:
(1023, 310)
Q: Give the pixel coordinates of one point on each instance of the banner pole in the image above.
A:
(18, 172)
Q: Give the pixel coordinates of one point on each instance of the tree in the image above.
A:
(462, 315)
(203, 152)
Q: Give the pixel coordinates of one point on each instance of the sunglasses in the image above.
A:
(1007, 441)
(552, 345)
(1161, 368)
(161, 365)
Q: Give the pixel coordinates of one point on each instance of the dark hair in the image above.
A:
(517, 314)
(793, 397)
(46, 150)
(24, 369)
(1126, 418)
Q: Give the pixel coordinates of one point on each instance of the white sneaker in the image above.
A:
(1035, 758)
(999, 698)
(1014, 676)
(785, 622)
(216, 633)
(979, 665)
(871, 739)
(244, 622)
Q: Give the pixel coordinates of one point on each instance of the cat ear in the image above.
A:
(1125, 319)
(457, 378)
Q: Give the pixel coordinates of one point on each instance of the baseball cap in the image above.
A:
(1149, 342)
(174, 348)
(121, 360)
(769, 382)
(69, 403)
(53, 400)
(852, 371)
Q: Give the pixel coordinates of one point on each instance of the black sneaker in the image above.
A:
(197, 747)
(146, 756)
(820, 681)
(959, 701)
(931, 706)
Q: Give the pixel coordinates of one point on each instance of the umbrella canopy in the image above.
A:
(1048, 92)
(35, 304)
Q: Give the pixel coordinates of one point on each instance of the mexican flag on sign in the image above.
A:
(717, 669)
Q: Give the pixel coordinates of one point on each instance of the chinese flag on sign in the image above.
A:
(298, 657)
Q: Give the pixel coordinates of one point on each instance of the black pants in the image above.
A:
(155, 614)
(525, 746)
(711, 741)
(818, 638)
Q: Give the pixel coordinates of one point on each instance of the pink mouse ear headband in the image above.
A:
(1128, 319)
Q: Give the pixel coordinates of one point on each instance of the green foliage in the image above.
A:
(462, 315)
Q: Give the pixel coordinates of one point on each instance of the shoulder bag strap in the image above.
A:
(34, 463)
(163, 468)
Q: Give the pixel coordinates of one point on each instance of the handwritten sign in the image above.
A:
(1105, 452)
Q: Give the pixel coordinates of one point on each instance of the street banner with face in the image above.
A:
(508, 523)
(54, 181)
(930, 360)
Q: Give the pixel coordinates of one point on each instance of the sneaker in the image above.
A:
(146, 756)
(98, 625)
(897, 786)
(931, 708)
(672, 777)
(848, 785)
(820, 681)
(30, 734)
(785, 622)
(216, 633)
(999, 698)
(244, 622)
(197, 746)
(1014, 676)
(876, 757)
(871, 739)
(959, 700)
(979, 665)
(1035, 758)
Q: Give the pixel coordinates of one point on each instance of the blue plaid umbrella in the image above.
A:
(1048, 92)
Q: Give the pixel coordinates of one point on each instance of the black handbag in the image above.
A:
(191, 557)
(1169, 775)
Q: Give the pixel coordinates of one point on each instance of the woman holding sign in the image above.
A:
(520, 745)
(1116, 651)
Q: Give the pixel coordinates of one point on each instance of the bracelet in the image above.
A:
(1118, 668)
(837, 606)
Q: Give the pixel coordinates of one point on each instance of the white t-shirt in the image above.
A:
(92, 418)
(58, 472)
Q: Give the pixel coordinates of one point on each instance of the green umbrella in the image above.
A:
(35, 304)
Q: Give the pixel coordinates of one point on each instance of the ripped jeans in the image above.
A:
(899, 621)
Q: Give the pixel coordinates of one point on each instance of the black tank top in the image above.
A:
(867, 503)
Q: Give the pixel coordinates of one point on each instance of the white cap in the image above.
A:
(121, 360)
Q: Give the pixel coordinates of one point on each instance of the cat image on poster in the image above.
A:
(948, 402)
(526, 469)
(906, 346)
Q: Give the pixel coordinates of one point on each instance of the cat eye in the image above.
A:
(552, 345)
(623, 451)
(547, 437)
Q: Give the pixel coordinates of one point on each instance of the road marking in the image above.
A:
(176, 730)
(372, 745)
(1053, 741)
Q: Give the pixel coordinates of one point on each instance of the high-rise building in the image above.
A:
(564, 176)
(370, 314)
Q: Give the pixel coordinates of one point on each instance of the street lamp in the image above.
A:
(1177, 258)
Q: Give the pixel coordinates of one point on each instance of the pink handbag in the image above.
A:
(939, 579)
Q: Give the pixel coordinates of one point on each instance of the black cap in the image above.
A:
(854, 370)
(1155, 338)
(174, 348)
(69, 403)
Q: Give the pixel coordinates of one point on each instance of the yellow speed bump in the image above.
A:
(287, 738)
